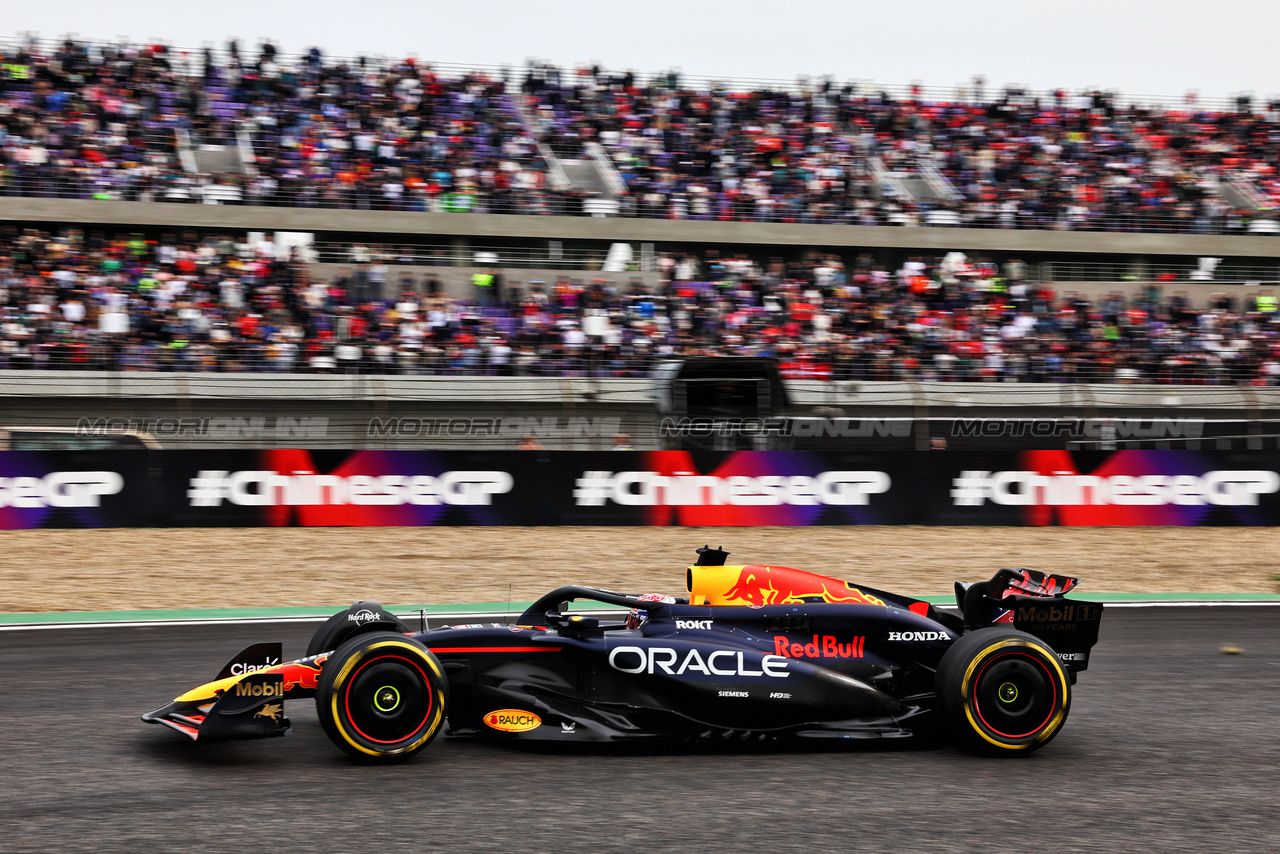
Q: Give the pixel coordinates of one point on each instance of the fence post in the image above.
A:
(183, 394)
(1088, 405)
(1253, 416)
(920, 414)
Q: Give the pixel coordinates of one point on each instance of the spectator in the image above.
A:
(92, 121)
(120, 302)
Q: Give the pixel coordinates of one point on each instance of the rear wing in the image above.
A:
(1033, 602)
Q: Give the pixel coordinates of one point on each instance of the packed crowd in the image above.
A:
(820, 154)
(101, 121)
(107, 122)
(122, 302)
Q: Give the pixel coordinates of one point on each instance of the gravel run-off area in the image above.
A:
(99, 570)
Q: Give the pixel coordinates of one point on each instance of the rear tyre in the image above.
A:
(381, 697)
(1003, 691)
(338, 628)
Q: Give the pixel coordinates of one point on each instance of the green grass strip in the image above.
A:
(480, 608)
(238, 613)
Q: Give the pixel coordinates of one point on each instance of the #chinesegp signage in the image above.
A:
(745, 488)
(325, 488)
(742, 488)
(76, 490)
(1135, 487)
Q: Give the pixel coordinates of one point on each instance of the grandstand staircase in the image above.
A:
(584, 176)
(201, 161)
(928, 184)
(594, 176)
(1241, 193)
(219, 160)
(1236, 190)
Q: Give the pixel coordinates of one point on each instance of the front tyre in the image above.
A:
(1003, 691)
(381, 697)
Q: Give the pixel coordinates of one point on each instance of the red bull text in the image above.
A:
(824, 646)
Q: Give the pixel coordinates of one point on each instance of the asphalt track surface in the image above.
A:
(1171, 746)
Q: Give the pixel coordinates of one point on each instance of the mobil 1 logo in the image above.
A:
(1057, 614)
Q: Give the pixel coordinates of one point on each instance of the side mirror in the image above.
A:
(579, 623)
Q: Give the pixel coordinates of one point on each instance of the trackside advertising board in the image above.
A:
(745, 488)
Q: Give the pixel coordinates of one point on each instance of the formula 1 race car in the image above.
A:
(753, 653)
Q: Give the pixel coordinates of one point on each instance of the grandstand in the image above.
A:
(241, 211)
(218, 304)
(149, 123)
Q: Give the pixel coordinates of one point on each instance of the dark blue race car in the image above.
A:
(753, 652)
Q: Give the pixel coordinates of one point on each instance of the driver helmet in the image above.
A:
(637, 618)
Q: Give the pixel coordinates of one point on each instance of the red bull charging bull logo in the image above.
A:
(303, 674)
(757, 586)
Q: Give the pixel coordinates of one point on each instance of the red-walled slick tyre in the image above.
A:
(1003, 691)
(381, 697)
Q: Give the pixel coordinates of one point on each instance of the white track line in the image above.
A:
(1230, 603)
(411, 618)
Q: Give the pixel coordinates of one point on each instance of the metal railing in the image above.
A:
(1248, 191)
(355, 358)
(1210, 273)
(177, 187)
(82, 410)
(253, 356)
(604, 163)
(938, 182)
(445, 255)
(557, 180)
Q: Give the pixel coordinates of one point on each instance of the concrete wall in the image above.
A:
(334, 411)
(1198, 293)
(456, 281)
(609, 229)
(327, 387)
(493, 413)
